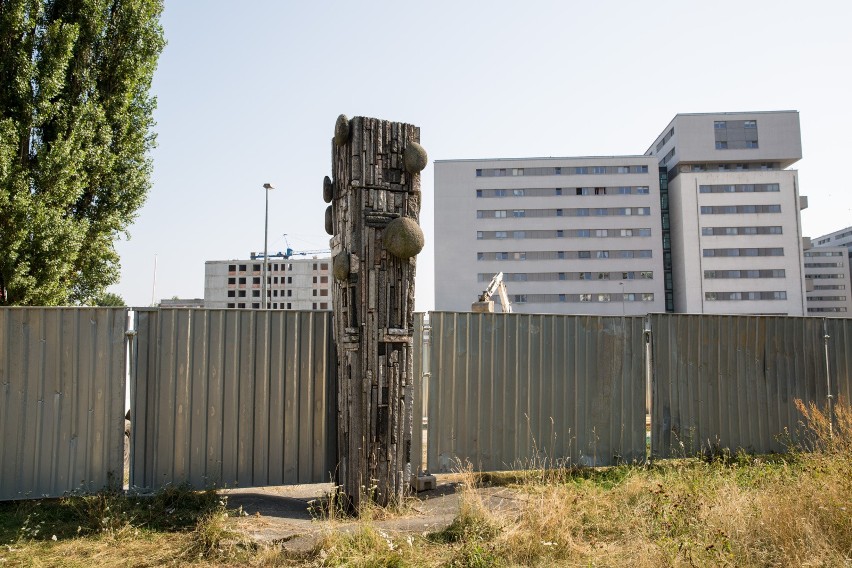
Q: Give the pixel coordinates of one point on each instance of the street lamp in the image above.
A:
(267, 187)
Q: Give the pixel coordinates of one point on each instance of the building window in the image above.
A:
(242, 280)
(323, 305)
(231, 293)
(314, 306)
(242, 268)
(232, 280)
(323, 292)
(720, 124)
(289, 294)
(242, 294)
(230, 305)
(749, 124)
(289, 280)
(255, 280)
(479, 192)
(721, 145)
(289, 306)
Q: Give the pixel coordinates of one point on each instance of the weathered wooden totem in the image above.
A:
(373, 219)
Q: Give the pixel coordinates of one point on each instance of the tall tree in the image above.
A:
(76, 120)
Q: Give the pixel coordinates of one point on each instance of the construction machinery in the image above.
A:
(485, 304)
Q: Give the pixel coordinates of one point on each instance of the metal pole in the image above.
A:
(826, 337)
(266, 188)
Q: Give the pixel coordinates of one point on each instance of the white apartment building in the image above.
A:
(571, 235)
(292, 284)
(827, 277)
(736, 235)
(843, 238)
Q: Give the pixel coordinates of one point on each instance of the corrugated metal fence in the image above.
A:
(731, 381)
(233, 397)
(247, 397)
(511, 390)
(62, 380)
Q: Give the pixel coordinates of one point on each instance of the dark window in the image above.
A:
(232, 267)
(232, 280)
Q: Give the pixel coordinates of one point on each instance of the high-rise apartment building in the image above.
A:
(734, 209)
(571, 235)
(706, 221)
(292, 284)
(841, 238)
(827, 278)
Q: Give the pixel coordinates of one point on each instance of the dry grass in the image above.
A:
(788, 510)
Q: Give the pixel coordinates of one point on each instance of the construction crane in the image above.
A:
(289, 252)
(485, 304)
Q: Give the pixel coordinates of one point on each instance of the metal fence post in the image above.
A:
(829, 396)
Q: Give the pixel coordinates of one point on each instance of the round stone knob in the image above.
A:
(341, 130)
(403, 238)
(340, 266)
(329, 221)
(415, 157)
(327, 189)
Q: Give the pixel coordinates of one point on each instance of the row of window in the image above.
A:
(728, 167)
(669, 135)
(560, 171)
(573, 298)
(734, 209)
(716, 231)
(822, 253)
(563, 254)
(558, 191)
(735, 144)
(723, 124)
(274, 267)
(822, 276)
(740, 188)
(823, 264)
(772, 251)
(272, 280)
(734, 296)
(553, 276)
(768, 273)
(270, 293)
(826, 298)
(574, 212)
(277, 306)
(824, 310)
(563, 233)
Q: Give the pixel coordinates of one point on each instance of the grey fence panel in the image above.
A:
(62, 380)
(512, 390)
(731, 381)
(233, 397)
(839, 333)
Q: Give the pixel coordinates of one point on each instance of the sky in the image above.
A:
(249, 95)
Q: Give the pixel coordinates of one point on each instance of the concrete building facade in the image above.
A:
(292, 284)
(571, 235)
(734, 208)
(706, 221)
(843, 238)
(827, 279)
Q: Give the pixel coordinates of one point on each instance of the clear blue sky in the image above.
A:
(248, 93)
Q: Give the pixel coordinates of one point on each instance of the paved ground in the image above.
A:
(288, 514)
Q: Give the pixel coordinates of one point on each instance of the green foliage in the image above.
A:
(75, 130)
(108, 299)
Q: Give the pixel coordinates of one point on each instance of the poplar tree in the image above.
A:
(76, 120)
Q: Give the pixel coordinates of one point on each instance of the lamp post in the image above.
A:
(267, 187)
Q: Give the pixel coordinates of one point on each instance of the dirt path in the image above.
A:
(286, 514)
